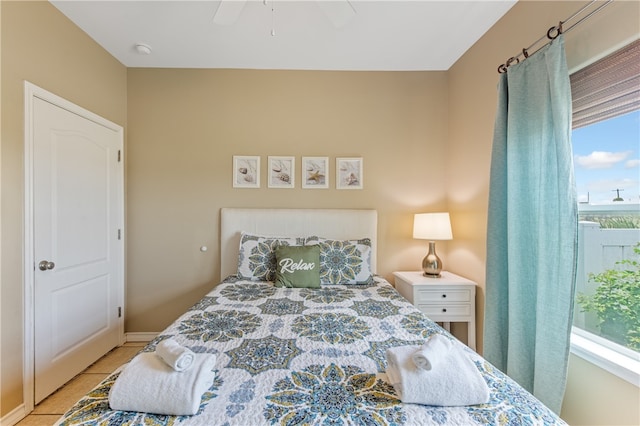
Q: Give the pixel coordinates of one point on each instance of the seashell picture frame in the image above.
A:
(349, 173)
(281, 172)
(315, 172)
(246, 171)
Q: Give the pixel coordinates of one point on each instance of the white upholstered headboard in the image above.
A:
(329, 223)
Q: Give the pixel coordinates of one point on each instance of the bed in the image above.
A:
(289, 356)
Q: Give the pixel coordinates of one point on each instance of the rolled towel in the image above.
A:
(432, 352)
(455, 382)
(175, 355)
(147, 384)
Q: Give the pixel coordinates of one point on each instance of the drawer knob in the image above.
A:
(444, 309)
(444, 295)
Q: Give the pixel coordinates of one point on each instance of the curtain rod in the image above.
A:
(553, 33)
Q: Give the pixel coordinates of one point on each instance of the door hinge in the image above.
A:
(119, 234)
(119, 156)
(119, 311)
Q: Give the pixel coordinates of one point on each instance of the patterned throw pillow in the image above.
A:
(257, 257)
(344, 262)
(298, 266)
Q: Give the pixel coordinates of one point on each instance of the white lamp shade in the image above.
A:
(432, 226)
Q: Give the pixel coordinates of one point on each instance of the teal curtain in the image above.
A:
(532, 227)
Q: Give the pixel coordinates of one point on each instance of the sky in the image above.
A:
(607, 158)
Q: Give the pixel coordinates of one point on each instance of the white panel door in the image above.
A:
(77, 208)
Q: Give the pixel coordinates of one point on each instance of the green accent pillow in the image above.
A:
(298, 266)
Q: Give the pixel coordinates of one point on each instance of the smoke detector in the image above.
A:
(142, 49)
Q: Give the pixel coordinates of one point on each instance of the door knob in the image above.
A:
(46, 265)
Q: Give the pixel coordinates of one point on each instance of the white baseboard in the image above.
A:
(140, 336)
(14, 416)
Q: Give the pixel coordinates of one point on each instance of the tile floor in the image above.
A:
(48, 411)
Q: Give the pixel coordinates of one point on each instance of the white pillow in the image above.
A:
(344, 261)
(257, 258)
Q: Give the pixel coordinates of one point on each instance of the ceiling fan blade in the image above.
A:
(228, 11)
(339, 12)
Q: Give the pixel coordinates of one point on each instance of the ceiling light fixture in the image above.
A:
(143, 49)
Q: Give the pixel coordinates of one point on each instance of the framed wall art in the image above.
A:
(315, 172)
(281, 172)
(246, 171)
(349, 173)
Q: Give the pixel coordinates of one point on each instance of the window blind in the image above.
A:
(607, 88)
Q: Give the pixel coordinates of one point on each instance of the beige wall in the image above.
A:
(596, 397)
(472, 102)
(40, 45)
(185, 126)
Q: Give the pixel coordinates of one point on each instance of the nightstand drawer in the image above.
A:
(435, 311)
(441, 295)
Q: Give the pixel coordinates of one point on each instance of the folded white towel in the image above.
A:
(432, 352)
(175, 355)
(456, 381)
(147, 384)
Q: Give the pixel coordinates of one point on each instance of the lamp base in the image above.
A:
(431, 264)
(424, 274)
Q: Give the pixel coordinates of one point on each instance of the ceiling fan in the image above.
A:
(339, 12)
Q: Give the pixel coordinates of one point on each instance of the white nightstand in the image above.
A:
(450, 298)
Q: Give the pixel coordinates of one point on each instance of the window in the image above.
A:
(608, 284)
(606, 143)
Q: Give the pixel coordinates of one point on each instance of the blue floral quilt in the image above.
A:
(297, 356)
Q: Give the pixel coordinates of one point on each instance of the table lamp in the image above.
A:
(432, 227)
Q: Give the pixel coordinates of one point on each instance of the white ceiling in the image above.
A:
(374, 35)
